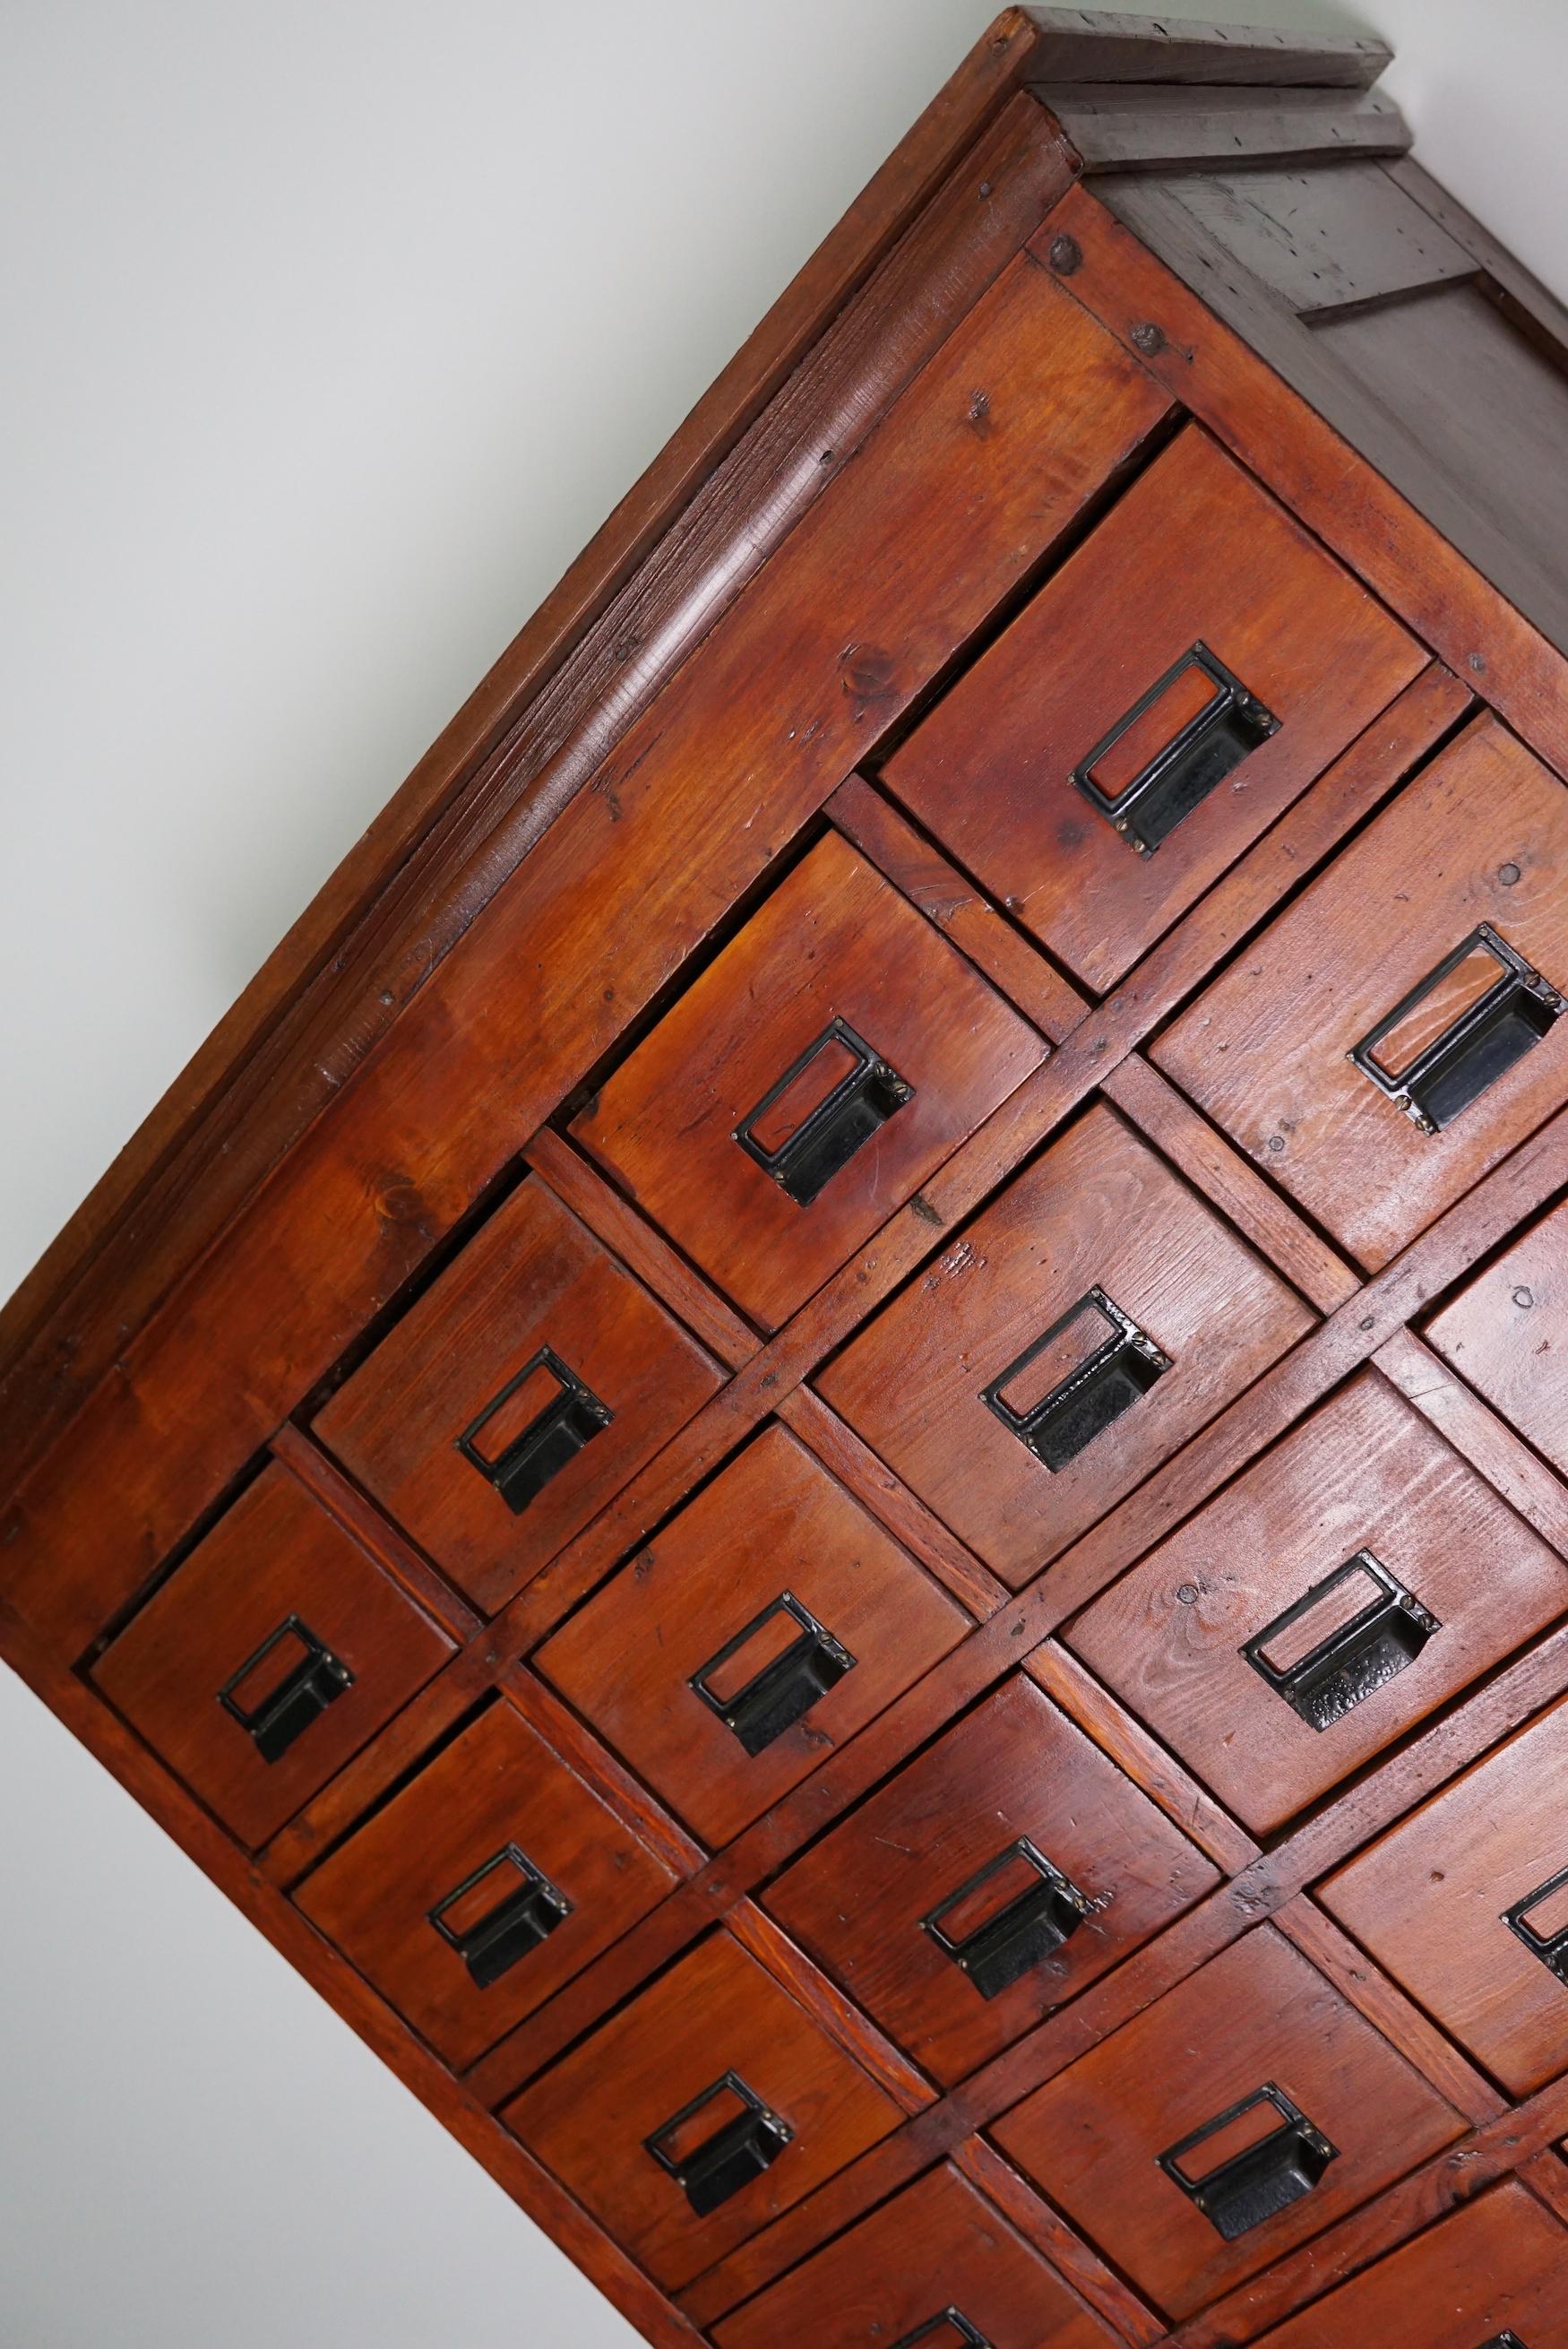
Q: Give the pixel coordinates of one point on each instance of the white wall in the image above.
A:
(333, 328)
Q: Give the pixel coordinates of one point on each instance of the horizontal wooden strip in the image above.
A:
(1078, 45)
(1114, 128)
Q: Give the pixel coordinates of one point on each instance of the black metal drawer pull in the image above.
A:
(1434, 1081)
(1508, 2340)
(1115, 1364)
(1199, 756)
(525, 1911)
(785, 1687)
(949, 2330)
(1031, 1928)
(858, 1103)
(739, 2149)
(1354, 1660)
(1265, 2177)
(1551, 1946)
(317, 1678)
(570, 1418)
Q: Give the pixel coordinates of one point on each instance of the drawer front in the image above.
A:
(993, 1879)
(269, 1657)
(1397, 1032)
(1241, 2113)
(1357, 1577)
(1433, 1901)
(516, 1397)
(1498, 2267)
(1181, 678)
(770, 1620)
(936, 2268)
(1507, 1333)
(489, 1882)
(709, 2105)
(1090, 1321)
(822, 1066)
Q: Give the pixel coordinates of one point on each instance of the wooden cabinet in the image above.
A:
(938, 2265)
(1089, 1322)
(1239, 2115)
(828, 1451)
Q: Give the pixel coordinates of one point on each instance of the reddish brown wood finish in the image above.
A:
(1429, 1901)
(276, 1559)
(1256, 2014)
(937, 2246)
(832, 942)
(1194, 555)
(718, 2012)
(497, 1786)
(533, 1279)
(1098, 1210)
(1481, 837)
(1505, 1333)
(1014, 1768)
(665, 792)
(1501, 2265)
(1362, 1473)
(774, 1522)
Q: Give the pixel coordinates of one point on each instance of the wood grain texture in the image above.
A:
(1094, 45)
(1362, 1473)
(1195, 554)
(949, 207)
(937, 2246)
(1015, 1767)
(719, 2011)
(772, 1523)
(1112, 128)
(1481, 837)
(1091, 2137)
(477, 1061)
(1504, 1333)
(832, 942)
(1099, 1209)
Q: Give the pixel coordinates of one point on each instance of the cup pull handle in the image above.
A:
(785, 1686)
(1031, 1927)
(1361, 1651)
(1268, 2172)
(520, 1915)
(1114, 1363)
(949, 2329)
(276, 1719)
(737, 2149)
(521, 1464)
(1434, 1078)
(827, 1105)
(1145, 807)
